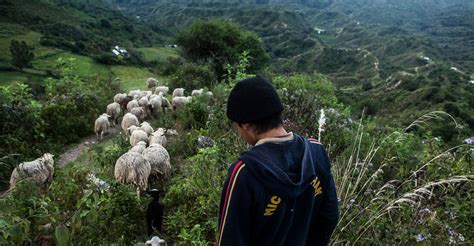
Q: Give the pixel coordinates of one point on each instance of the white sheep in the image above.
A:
(139, 147)
(137, 136)
(151, 83)
(171, 132)
(113, 110)
(40, 171)
(134, 93)
(132, 168)
(146, 94)
(155, 103)
(139, 112)
(129, 120)
(143, 102)
(178, 92)
(146, 127)
(155, 241)
(101, 126)
(164, 89)
(196, 93)
(120, 97)
(178, 102)
(133, 104)
(209, 95)
(158, 137)
(159, 160)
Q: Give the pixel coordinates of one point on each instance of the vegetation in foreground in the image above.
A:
(387, 178)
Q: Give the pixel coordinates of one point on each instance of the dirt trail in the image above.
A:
(74, 151)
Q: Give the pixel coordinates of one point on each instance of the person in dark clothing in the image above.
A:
(154, 213)
(280, 191)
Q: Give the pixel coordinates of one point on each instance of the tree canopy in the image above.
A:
(221, 42)
(21, 54)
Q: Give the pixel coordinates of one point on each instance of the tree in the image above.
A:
(21, 54)
(221, 42)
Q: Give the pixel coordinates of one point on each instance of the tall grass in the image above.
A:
(375, 182)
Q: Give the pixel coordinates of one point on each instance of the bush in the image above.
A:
(192, 76)
(221, 42)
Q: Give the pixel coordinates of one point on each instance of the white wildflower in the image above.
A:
(321, 122)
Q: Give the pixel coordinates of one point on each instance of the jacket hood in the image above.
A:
(286, 168)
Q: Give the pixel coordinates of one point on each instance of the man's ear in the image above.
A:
(246, 126)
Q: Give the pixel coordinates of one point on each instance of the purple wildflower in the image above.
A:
(469, 141)
(420, 238)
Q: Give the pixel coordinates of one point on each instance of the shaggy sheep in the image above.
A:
(133, 104)
(151, 83)
(139, 112)
(196, 93)
(164, 89)
(101, 126)
(146, 94)
(120, 97)
(155, 103)
(40, 171)
(133, 128)
(134, 93)
(158, 137)
(113, 110)
(178, 102)
(132, 168)
(143, 102)
(146, 127)
(178, 92)
(139, 147)
(129, 120)
(138, 135)
(159, 160)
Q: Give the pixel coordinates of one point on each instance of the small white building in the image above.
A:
(119, 51)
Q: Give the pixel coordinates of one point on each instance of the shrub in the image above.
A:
(192, 76)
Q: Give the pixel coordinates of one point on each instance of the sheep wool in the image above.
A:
(164, 89)
(40, 171)
(196, 93)
(155, 103)
(120, 97)
(129, 120)
(134, 93)
(158, 137)
(113, 110)
(179, 102)
(139, 112)
(139, 147)
(159, 160)
(101, 126)
(143, 102)
(151, 83)
(132, 104)
(132, 168)
(146, 127)
(178, 92)
(138, 136)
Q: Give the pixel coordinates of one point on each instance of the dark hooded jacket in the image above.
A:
(279, 193)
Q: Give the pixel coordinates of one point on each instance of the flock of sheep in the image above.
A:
(147, 156)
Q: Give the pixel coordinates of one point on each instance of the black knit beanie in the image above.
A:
(253, 99)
